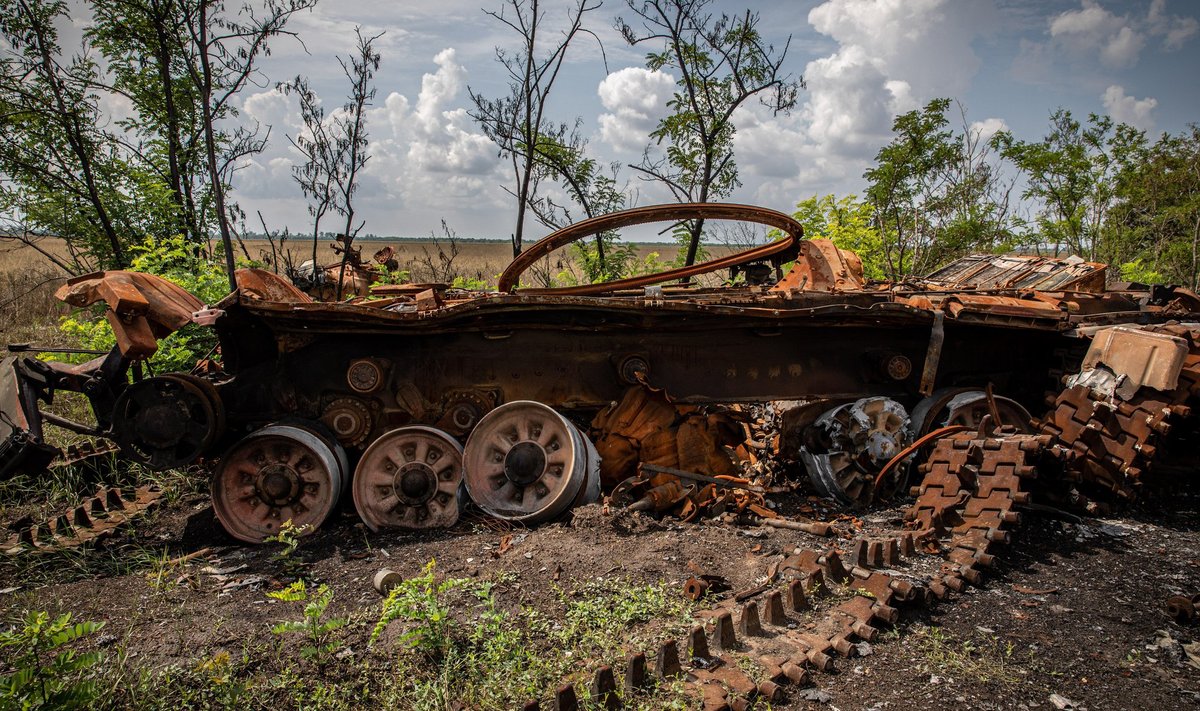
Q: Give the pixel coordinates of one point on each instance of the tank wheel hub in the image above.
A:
(279, 473)
(409, 478)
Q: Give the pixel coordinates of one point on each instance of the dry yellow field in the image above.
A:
(28, 278)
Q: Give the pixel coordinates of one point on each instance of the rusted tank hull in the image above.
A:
(578, 355)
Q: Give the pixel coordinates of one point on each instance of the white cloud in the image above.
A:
(427, 157)
(272, 108)
(1127, 109)
(892, 56)
(1093, 32)
(987, 128)
(1174, 30)
(1122, 49)
(1091, 21)
(635, 100)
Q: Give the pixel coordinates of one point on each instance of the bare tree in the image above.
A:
(517, 122)
(227, 46)
(352, 136)
(722, 63)
(318, 175)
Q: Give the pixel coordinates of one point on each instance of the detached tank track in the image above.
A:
(971, 487)
(93, 520)
(1115, 440)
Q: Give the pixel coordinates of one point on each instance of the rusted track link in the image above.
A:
(94, 519)
(974, 506)
(1117, 439)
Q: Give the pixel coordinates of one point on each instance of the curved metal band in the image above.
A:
(656, 213)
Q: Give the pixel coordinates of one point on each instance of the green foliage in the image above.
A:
(469, 283)
(1070, 175)
(1141, 272)
(495, 659)
(48, 674)
(317, 631)
(176, 261)
(935, 193)
(1153, 226)
(288, 537)
(387, 276)
(848, 223)
(419, 600)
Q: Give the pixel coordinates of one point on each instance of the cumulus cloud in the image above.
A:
(1174, 29)
(426, 154)
(1093, 32)
(892, 56)
(635, 100)
(1127, 109)
(987, 128)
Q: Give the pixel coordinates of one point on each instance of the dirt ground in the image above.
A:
(1074, 616)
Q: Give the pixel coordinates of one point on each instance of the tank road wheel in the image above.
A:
(847, 446)
(409, 478)
(956, 406)
(278, 473)
(167, 421)
(525, 462)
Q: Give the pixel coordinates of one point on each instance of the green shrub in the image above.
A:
(317, 631)
(48, 674)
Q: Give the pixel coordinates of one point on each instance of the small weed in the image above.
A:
(420, 600)
(318, 632)
(48, 673)
(966, 659)
(289, 539)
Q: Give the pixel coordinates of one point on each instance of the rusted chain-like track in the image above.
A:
(969, 492)
(94, 519)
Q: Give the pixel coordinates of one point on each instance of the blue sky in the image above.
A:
(1010, 63)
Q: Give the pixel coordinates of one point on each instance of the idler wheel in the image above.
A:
(525, 462)
(279, 473)
(409, 478)
(167, 421)
(957, 406)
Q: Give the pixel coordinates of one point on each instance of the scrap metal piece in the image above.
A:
(279, 473)
(1138, 357)
(933, 355)
(92, 520)
(525, 462)
(1183, 609)
(1015, 271)
(409, 478)
(142, 308)
(822, 266)
(266, 286)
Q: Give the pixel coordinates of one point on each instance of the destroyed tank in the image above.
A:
(529, 402)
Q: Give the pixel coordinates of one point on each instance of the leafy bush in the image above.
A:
(179, 262)
(48, 674)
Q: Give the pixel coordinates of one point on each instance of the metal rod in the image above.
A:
(71, 425)
(654, 468)
(30, 348)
